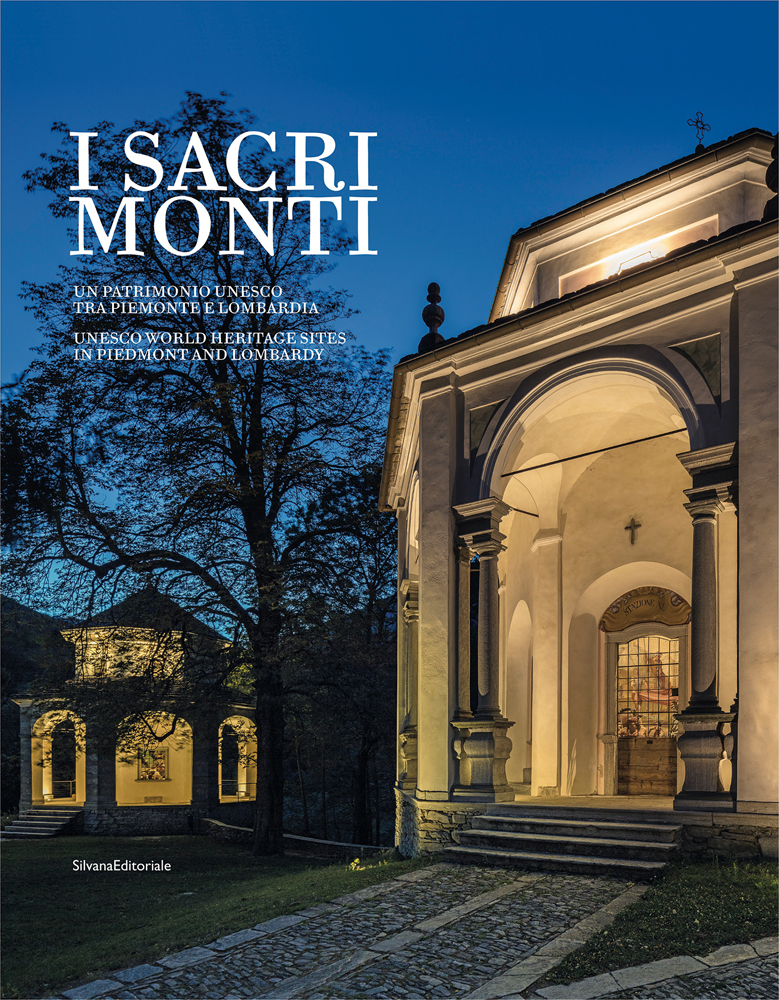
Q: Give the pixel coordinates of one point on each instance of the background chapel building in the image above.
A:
(585, 490)
(114, 768)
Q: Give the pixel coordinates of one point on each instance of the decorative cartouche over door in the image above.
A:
(646, 685)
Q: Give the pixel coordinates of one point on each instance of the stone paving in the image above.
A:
(741, 981)
(447, 931)
(738, 972)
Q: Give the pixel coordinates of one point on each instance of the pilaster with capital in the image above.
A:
(464, 556)
(481, 745)
(407, 688)
(701, 744)
(547, 765)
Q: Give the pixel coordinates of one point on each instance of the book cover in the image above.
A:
(225, 224)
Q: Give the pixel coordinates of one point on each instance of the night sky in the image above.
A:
(489, 116)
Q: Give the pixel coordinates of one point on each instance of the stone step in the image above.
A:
(661, 833)
(38, 824)
(541, 843)
(588, 814)
(575, 864)
(54, 813)
(10, 833)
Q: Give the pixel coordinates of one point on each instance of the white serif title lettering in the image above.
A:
(311, 166)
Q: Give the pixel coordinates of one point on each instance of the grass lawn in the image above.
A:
(696, 907)
(62, 926)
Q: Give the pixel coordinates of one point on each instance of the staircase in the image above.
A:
(627, 843)
(41, 821)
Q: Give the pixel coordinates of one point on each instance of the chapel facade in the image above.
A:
(586, 495)
(157, 772)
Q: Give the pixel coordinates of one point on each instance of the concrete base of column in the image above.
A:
(704, 802)
(482, 749)
(701, 748)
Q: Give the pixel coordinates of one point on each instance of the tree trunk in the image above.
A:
(362, 809)
(306, 827)
(377, 801)
(269, 807)
(324, 796)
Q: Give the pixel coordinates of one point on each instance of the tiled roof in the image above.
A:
(150, 609)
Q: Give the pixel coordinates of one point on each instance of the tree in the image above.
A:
(341, 656)
(195, 468)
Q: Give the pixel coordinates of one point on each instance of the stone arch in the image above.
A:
(640, 367)
(47, 785)
(237, 759)
(154, 761)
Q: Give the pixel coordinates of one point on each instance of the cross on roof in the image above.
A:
(700, 126)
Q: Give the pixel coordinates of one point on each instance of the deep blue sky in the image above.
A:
(489, 115)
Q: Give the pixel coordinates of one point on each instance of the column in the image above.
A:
(482, 745)
(407, 685)
(205, 763)
(547, 663)
(25, 755)
(703, 721)
(489, 627)
(100, 775)
(703, 638)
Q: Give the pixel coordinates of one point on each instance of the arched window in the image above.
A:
(154, 761)
(646, 687)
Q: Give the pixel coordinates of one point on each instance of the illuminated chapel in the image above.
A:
(585, 489)
(159, 773)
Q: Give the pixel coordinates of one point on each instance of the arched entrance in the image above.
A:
(237, 759)
(58, 759)
(646, 686)
(63, 761)
(586, 460)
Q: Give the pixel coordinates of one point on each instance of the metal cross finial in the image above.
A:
(632, 528)
(700, 126)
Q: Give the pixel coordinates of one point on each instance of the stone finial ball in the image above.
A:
(433, 316)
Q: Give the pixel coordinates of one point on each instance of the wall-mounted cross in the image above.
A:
(632, 528)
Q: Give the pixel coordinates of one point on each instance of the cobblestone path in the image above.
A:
(447, 931)
(442, 931)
